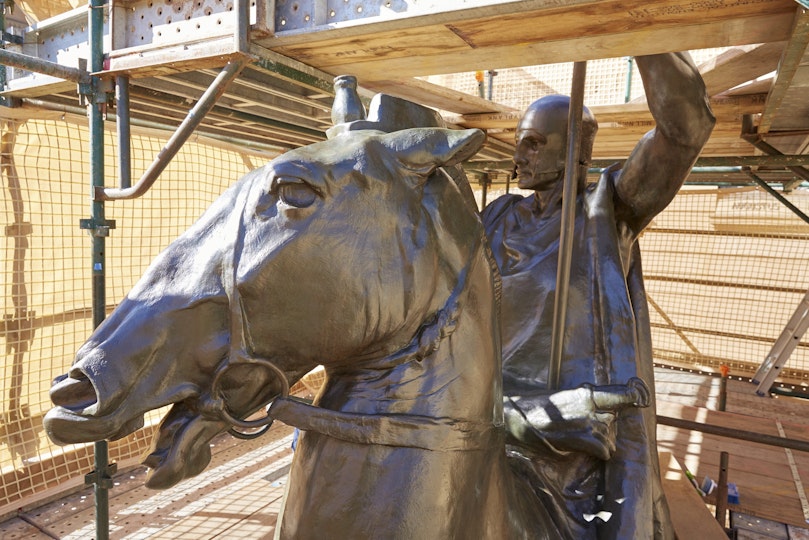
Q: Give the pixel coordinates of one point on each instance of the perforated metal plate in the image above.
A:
(160, 23)
(292, 15)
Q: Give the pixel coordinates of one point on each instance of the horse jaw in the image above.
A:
(181, 449)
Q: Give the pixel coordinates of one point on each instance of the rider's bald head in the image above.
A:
(549, 115)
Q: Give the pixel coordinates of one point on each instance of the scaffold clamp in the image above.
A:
(104, 480)
(100, 228)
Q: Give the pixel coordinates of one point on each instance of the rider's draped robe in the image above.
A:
(607, 341)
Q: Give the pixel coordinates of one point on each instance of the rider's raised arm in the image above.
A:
(659, 164)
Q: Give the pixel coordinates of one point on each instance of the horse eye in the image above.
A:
(298, 195)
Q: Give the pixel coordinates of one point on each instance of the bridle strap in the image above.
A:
(401, 430)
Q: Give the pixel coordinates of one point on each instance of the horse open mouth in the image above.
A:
(74, 419)
(180, 448)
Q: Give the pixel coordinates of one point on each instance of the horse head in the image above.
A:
(331, 254)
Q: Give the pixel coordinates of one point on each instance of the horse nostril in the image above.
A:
(71, 393)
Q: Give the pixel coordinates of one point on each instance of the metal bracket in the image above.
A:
(10, 102)
(11, 38)
(94, 90)
(104, 479)
(99, 229)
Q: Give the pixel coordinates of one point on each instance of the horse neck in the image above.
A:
(459, 379)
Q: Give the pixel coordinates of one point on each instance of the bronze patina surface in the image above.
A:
(585, 459)
(365, 253)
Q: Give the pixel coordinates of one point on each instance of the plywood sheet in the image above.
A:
(565, 31)
(740, 65)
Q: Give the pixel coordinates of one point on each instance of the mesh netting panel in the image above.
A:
(605, 84)
(46, 282)
(725, 270)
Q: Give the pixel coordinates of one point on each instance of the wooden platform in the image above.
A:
(771, 480)
(239, 495)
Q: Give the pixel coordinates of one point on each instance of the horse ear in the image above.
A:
(425, 149)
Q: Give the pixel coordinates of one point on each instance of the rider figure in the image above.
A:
(584, 451)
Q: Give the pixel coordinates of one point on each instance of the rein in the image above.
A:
(402, 430)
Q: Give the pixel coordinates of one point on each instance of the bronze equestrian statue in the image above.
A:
(365, 254)
(595, 460)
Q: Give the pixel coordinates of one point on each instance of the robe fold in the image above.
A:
(607, 341)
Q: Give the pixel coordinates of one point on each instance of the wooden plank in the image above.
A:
(621, 126)
(565, 22)
(562, 32)
(246, 510)
(626, 114)
(689, 514)
(699, 390)
(731, 420)
(761, 473)
(791, 59)
(209, 54)
(756, 87)
(740, 65)
(604, 148)
(766, 481)
(438, 97)
(17, 528)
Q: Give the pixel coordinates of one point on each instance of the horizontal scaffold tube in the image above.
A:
(32, 63)
(147, 124)
(731, 433)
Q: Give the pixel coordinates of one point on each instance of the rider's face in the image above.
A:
(539, 158)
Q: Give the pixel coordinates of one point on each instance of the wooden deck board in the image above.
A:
(767, 486)
(566, 31)
(689, 515)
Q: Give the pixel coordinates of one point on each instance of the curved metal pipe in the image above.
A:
(176, 141)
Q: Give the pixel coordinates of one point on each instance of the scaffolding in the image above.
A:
(724, 265)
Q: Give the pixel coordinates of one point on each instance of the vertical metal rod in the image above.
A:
(4, 101)
(2, 43)
(723, 387)
(491, 74)
(96, 121)
(568, 221)
(124, 133)
(484, 179)
(241, 37)
(629, 66)
(722, 489)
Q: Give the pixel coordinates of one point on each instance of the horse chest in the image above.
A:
(372, 491)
